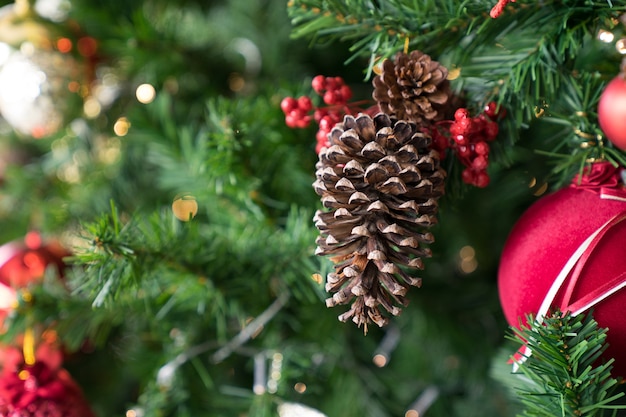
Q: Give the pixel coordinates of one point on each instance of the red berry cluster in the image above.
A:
(469, 137)
(335, 94)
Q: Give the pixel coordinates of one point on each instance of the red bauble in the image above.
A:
(576, 237)
(24, 262)
(612, 111)
(42, 389)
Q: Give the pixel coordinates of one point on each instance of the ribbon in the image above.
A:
(602, 178)
(573, 269)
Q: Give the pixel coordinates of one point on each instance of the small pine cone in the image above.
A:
(380, 182)
(412, 87)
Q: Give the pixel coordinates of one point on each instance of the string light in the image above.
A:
(606, 36)
(145, 93)
(185, 207)
(121, 126)
(92, 108)
(275, 372)
(468, 262)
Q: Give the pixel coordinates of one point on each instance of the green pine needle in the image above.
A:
(564, 374)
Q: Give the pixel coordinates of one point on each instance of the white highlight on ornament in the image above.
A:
(298, 410)
(145, 93)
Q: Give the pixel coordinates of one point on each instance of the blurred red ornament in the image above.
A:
(24, 262)
(567, 251)
(612, 111)
(41, 388)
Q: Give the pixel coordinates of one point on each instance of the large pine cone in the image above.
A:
(412, 87)
(380, 182)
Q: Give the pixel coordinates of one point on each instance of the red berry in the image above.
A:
(460, 114)
(303, 122)
(491, 109)
(467, 176)
(321, 136)
(330, 97)
(331, 84)
(480, 163)
(291, 121)
(288, 104)
(460, 139)
(491, 130)
(465, 125)
(481, 148)
(482, 179)
(319, 113)
(456, 129)
(319, 83)
(478, 123)
(440, 143)
(345, 92)
(326, 123)
(320, 146)
(339, 82)
(464, 151)
(305, 104)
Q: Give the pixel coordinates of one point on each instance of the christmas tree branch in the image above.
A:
(561, 368)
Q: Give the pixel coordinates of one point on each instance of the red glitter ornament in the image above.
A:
(40, 389)
(567, 252)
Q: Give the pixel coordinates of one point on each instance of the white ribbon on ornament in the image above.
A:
(571, 263)
(7, 252)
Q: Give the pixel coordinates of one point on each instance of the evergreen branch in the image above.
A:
(562, 372)
(380, 28)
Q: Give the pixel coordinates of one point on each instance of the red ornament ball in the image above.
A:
(567, 251)
(612, 111)
(24, 262)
